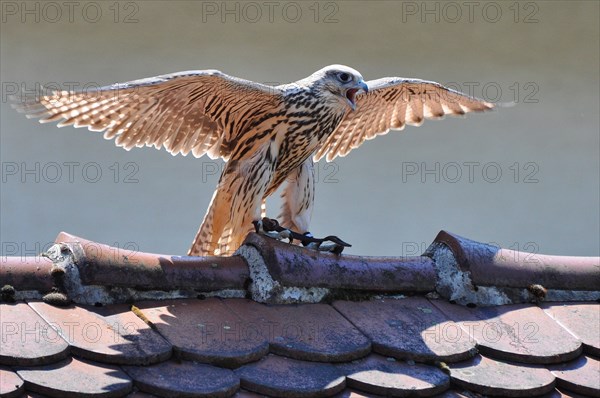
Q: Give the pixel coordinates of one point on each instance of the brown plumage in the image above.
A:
(268, 135)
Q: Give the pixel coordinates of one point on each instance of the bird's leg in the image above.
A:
(271, 228)
(330, 243)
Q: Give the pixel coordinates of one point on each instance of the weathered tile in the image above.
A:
(205, 331)
(293, 265)
(119, 337)
(184, 379)
(75, 378)
(283, 377)
(27, 339)
(520, 332)
(410, 328)
(490, 377)
(389, 377)
(581, 375)
(26, 273)
(490, 265)
(581, 319)
(11, 385)
(114, 266)
(311, 332)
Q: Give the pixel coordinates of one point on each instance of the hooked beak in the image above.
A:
(352, 92)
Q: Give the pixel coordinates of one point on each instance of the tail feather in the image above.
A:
(208, 240)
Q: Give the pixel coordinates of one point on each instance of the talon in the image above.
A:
(335, 239)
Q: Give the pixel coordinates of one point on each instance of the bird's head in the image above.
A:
(339, 83)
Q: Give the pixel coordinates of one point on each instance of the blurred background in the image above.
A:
(524, 177)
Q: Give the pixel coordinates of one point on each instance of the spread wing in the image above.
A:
(193, 111)
(391, 103)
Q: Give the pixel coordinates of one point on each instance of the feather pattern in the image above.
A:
(390, 104)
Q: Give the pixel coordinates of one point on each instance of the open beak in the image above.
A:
(352, 92)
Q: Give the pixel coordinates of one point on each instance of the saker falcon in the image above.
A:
(268, 136)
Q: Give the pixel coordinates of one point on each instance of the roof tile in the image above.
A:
(581, 375)
(491, 265)
(184, 379)
(205, 331)
(312, 332)
(26, 273)
(581, 319)
(77, 378)
(409, 328)
(120, 337)
(27, 339)
(487, 376)
(518, 332)
(11, 385)
(389, 377)
(293, 265)
(284, 377)
(104, 265)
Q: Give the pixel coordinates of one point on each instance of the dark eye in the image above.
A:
(344, 77)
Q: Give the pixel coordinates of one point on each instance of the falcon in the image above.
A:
(268, 136)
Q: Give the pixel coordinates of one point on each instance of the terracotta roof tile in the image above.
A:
(113, 266)
(517, 332)
(184, 378)
(487, 376)
(410, 328)
(389, 377)
(119, 337)
(74, 378)
(581, 319)
(490, 265)
(283, 377)
(27, 339)
(191, 344)
(312, 332)
(297, 266)
(28, 273)
(581, 375)
(11, 385)
(205, 330)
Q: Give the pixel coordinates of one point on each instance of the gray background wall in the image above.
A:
(542, 55)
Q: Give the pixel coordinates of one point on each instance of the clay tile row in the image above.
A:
(234, 332)
(491, 265)
(519, 332)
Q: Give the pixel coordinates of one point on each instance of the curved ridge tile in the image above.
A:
(27, 339)
(113, 266)
(184, 379)
(491, 265)
(581, 375)
(490, 377)
(77, 378)
(581, 319)
(409, 328)
(519, 332)
(205, 331)
(310, 332)
(11, 385)
(26, 273)
(288, 378)
(120, 337)
(386, 376)
(293, 265)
